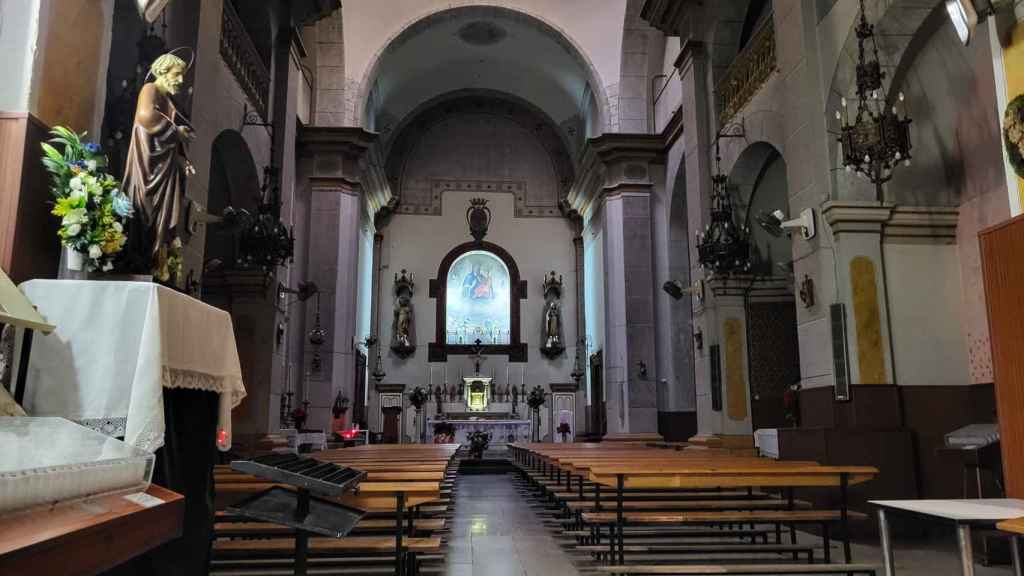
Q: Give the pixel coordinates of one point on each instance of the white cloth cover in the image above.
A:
(117, 344)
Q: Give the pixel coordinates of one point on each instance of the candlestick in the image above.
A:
(445, 375)
(522, 375)
(430, 376)
(506, 376)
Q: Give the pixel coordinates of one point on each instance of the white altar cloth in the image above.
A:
(117, 345)
(502, 431)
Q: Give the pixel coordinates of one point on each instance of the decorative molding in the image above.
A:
(389, 388)
(936, 224)
(243, 60)
(748, 72)
(668, 16)
(565, 387)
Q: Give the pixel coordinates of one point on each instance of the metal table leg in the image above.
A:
(963, 533)
(399, 551)
(1015, 554)
(883, 530)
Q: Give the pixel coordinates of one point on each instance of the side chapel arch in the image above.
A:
(439, 349)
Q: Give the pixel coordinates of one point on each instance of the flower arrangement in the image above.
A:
(564, 430)
(478, 443)
(418, 397)
(444, 433)
(299, 418)
(791, 404)
(92, 209)
(536, 398)
(1013, 133)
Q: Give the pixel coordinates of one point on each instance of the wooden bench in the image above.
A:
(713, 569)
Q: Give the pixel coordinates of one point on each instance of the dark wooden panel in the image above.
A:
(28, 233)
(677, 426)
(1003, 268)
(871, 407)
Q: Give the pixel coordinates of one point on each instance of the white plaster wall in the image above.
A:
(925, 314)
(418, 243)
(593, 288)
(668, 92)
(19, 34)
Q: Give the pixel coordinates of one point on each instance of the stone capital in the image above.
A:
(865, 217)
(614, 164)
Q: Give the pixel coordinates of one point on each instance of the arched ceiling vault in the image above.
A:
(479, 47)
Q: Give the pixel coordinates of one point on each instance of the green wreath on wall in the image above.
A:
(1013, 133)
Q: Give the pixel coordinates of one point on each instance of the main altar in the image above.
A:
(479, 406)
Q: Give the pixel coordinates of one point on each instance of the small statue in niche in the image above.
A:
(156, 171)
(402, 338)
(552, 339)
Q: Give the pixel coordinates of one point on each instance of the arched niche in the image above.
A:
(441, 348)
(234, 181)
(758, 181)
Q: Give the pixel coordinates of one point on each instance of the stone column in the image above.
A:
(629, 354)
(336, 205)
(692, 65)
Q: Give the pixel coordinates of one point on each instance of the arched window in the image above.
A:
(478, 291)
(478, 300)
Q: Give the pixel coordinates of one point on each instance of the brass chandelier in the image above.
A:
(724, 246)
(879, 138)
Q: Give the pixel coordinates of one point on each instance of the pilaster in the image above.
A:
(336, 205)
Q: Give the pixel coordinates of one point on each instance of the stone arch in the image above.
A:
(234, 181)
(596, 86)
(758, 183)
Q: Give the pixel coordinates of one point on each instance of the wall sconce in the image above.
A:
(698, 339)
(807, 291)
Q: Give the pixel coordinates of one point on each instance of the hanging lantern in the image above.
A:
(878, 139)
(724, 246)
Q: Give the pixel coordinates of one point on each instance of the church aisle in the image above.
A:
(496, 533)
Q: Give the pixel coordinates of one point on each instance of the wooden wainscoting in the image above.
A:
(28, 233)
(1002, 263)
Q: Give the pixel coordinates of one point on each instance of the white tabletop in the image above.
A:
(976, 510)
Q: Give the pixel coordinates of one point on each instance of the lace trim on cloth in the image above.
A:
(177, 378)
(113, 427)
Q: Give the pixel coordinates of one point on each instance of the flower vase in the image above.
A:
(72, 265)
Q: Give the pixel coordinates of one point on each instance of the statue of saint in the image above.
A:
(553, 324)
(157, 166)
(403, 322)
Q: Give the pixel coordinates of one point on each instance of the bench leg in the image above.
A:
(827, 541)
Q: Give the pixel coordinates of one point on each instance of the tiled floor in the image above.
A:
(496, 533)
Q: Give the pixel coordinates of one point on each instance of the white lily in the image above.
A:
(95, 251)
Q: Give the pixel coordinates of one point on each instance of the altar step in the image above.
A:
(486, 465)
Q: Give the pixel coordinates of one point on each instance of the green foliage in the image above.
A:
(1013, 134)
(536, 398)
(92, 209)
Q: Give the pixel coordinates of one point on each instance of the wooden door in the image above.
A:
(359, 391)
(392, 425)
(773, 355)
(1003, 269)
(598, 416)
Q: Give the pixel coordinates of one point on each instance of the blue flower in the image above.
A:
(79, 163)
(92, 147)
(122, 205)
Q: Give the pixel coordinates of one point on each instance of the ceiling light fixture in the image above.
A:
(878, 139)
(967, 14)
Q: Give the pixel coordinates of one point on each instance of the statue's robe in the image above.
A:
(154, 178)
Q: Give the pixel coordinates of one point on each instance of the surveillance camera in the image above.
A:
(673, 288)
(775, 223)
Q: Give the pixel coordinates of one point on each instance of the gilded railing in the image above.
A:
(244, 61)
(748, 72)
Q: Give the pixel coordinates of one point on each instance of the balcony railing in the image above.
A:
(244, 61)
(748, 72)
